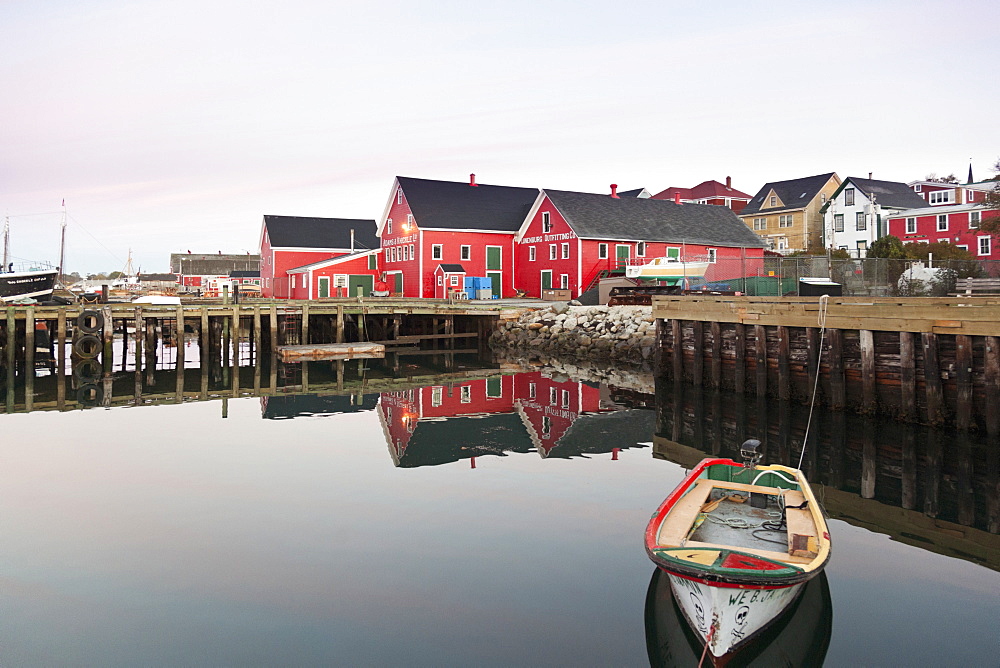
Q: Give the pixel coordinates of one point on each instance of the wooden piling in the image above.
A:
(907, 377)
(838, 386)
(179, 338)
(29, 358)
(784, 373)
(760, 345)
(716, 374)
(932, 378)
(273, 326)
(677, 350)
(257, 336)
(698, 363)
(963, 382)
(740, 375)
(61, 358)
(304, 340)
(991, 377)
(867, 341)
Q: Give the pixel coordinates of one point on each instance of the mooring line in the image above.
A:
(824, 301)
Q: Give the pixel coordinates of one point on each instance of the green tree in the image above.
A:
(889, 247)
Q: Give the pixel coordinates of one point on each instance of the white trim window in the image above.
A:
(546, 222)
(838, 222)
(942, 222)
(917, 187)
(531, 254)
(466, 252)
(565, 251)
(440, 280)
(941, 197)
(409, 219)
(553, 252)
(774, 201)
(640, 249)
(975, 217)
(388, 223)
(436, 251)
(602, 251)
(760, 223)
(565, 398)
(413, 253)
(861, 221)
(340, 280)
(466, 394)
(564, 281)
(785, 220)
(553, 396)
(712, 255)
(531, 390)
(437, 395)
(399, 195)
(911, 225)
(453, 279)
(985, 245)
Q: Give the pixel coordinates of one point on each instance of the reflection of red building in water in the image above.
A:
(400, 412)
(549, 407)
(493, 416)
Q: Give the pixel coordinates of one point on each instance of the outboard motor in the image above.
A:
(750, 451)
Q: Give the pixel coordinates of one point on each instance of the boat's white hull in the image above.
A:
(736, 614)
(667, 270)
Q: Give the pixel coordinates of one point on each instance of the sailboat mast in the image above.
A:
(6, 242)
(62, 247)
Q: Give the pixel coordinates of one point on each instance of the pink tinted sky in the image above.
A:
(170, 126)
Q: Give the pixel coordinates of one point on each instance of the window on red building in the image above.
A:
(546, 222)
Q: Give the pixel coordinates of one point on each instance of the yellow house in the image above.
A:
(787, 213)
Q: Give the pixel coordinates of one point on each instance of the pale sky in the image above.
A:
(174, 126)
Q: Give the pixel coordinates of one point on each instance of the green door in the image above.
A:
(396, 284)
(547, 279)
(324, 287)
(493, 258)
(622, 253)
(360, 285)
(495, 276)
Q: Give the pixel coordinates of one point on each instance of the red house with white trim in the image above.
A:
(351, 275)
(289, 242)
(428, 223)
(569, 239)
(957, 224)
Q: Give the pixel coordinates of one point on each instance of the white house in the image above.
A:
(858, 212)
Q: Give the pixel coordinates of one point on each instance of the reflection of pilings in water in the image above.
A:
(894, 463)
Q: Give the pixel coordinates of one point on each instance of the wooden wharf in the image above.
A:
(83, 338)
(919, 359)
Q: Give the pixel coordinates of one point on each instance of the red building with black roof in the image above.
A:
(428, 223)
(289, 242)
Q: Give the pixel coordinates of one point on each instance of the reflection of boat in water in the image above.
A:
(738, 543)
(799, 638)
(667, 269)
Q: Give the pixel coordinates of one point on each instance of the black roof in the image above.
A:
(794, 194)
(300, 232)
(604, 217)
(887, 193)
(242, 273)
(299, 405)
(454, 205)
(444, 441)
(452, 268)
(631, 193)
(597, 433)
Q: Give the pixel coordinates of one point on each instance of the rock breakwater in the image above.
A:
(601, 333)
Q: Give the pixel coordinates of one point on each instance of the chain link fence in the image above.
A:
(775, 276)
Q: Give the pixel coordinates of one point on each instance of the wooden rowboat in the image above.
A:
(738, 542)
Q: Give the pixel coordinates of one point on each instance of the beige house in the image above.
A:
(787, 213)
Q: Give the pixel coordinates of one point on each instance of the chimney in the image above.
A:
(869, 176)
(729, 183)
(472, 181)
(614, 191)
(677, 198)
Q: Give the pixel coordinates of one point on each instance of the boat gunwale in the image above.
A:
(753, 578)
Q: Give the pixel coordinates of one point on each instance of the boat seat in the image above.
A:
(676, 527)
(802, 538)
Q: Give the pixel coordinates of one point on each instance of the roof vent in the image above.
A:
(677, 198)
(472, 181)
(729, 183)
(614, 191)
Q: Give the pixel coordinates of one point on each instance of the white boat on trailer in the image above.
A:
(717, 537)
(669, 269)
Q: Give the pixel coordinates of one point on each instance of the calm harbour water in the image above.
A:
(494, 525)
